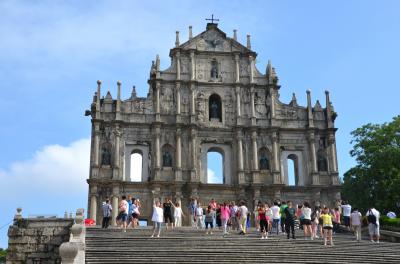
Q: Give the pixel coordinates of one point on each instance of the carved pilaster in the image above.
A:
(116, 171)
(239, 138)
(115, 202)
(93, 202)
(157, 152)
(276, 168)
(178, 165)
(193, 146)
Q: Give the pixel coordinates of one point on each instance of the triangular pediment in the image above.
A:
(214, 39)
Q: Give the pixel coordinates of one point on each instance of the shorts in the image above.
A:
(346, 220)
(328, 227)
(306, 222)
(135, 216)
(122, 217)
(263, 225)
(373, 230)
(168, 218)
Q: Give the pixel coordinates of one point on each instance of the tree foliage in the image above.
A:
(375, 180)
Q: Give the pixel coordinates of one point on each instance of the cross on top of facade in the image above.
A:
(212, 19)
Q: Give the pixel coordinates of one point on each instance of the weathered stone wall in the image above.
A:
(37, 240)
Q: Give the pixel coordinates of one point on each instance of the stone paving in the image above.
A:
(194, 246)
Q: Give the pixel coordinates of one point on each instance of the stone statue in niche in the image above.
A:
(167, 159)
(214, 110)
(322, 163)
(106, 156)
(214, 70)
(264, 162)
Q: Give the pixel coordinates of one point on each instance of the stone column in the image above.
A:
(253, 108)
(241, 178)
(255, 149)
(328, 110)
(178, 98)
(178, 165)
(96, 148)
(237, 72)
(238, 110)
(251, 59)
(309, 110)
(332, 147)
(178, 65)
(314, 168)
(115, 203)
(193, 174)
(276, 164)
(192, 100)
(98, 95)
(117, 134)
(93, 203)
(118, 105)
(192, 68)
(157, 152)
(158, 87)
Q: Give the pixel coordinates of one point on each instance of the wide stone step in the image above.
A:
(188, 245)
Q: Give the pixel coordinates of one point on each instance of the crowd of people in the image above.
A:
(279, 218)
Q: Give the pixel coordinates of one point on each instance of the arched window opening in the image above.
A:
(215, 107)
(293, 171)
(167, 156)
(263, 159)
(322, 161)
(136, 166)
(215, 167)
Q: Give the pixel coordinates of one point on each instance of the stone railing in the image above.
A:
(37, 240)
(73, 252)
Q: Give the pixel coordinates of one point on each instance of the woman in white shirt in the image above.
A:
(178, 215)
(157, 218)
(306, 212)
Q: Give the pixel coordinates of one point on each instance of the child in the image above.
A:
(157, 218)
(327, 226)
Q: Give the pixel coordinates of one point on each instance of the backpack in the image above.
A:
(371, 218)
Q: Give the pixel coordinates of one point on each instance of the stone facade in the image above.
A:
(37, 240)
(211, 98)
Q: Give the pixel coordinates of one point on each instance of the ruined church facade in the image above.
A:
(211, 98)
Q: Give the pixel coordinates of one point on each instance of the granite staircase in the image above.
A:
(188, 245)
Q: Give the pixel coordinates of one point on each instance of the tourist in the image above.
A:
(320, 222)
(213, 205)
(290, 216)
(261, 212)
(233, 219)
(355, 223)
(135, 212)
(268, 216)
(107, 209)
(315, 216)
(157, 218)
(192, 211)
(122, 218)
(283, 216)
(346, 208)
(225, 214)
(178, 214)
(129, 200)
(373, 224)
(199, 216)
(276, 216)
(336, 220)
(256, 218)
(242, 214)
(327, 226)
(209, 219)
(218, 220)
(167, 206)
(306, 213)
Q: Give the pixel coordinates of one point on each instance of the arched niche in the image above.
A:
(167, 154)
(215, 108)
(264, 159)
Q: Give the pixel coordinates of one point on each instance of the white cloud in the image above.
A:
(53, 170)
(212, 177)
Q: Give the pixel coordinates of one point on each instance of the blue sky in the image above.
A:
(52, 53)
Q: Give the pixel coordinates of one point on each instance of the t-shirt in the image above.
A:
(167, 208)
(275, 212)
(177, 212)
(107, 210)
(234, 210)
(199, 211)
(326, 220)
(123, 205)
(346, 209)
(225, 212)
(268, 213)
(306, 211)
(282, 210)
(209, 216)
(376, 213)
(158, 215)
(243, 211)
(355, 218)
(261, 214)
(290, 213)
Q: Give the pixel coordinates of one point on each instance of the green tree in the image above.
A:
(375, 180)
(3, 254)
